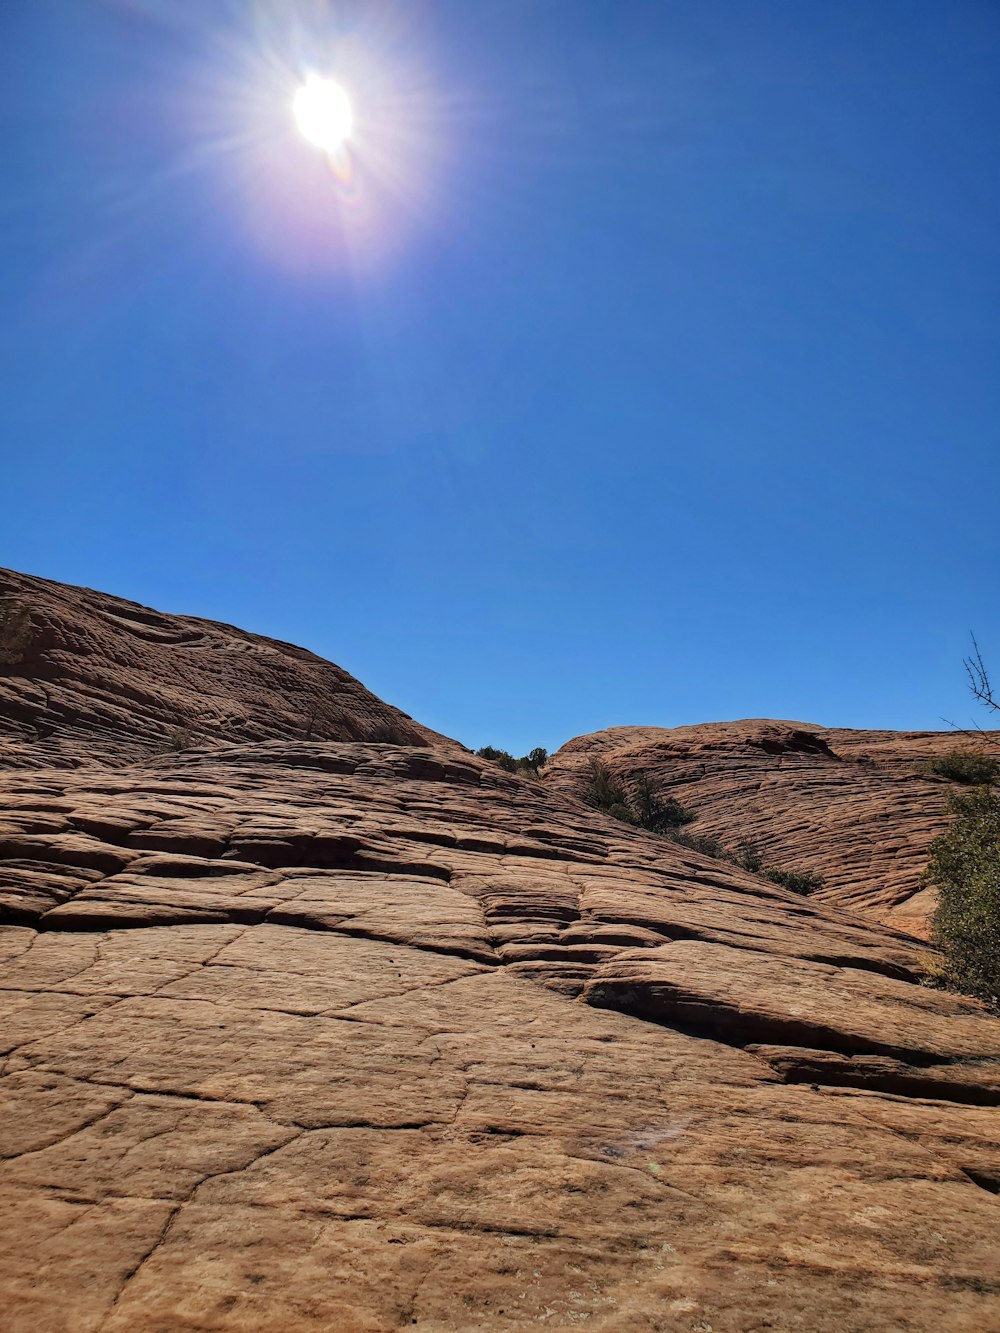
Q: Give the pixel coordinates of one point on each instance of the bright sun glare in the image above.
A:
(323, 113)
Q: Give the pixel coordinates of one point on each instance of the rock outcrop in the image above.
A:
(347, 1033)
(858, 808)
(106, 678)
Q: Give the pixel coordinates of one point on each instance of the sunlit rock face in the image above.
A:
(858, 808)
(106, 678)
(310, 1023)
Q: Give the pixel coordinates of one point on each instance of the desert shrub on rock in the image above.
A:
(607, 792)
(796, 881)
(965, 868)
(972, 768)
(700, 842)
(644, 806)
(656, 812)
(964, 864)
(748, 856)
(528, 765)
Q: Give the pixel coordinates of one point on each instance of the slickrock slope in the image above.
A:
(104, 677)
(347, 1034)
(857, 807)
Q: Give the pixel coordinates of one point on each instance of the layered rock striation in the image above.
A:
(104, 678)
(343, 1032)
(858, 808)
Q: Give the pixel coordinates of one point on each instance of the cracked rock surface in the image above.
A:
(353, 1033)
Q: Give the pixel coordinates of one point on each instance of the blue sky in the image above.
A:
(642, 368)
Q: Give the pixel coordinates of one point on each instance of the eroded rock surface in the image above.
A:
(858, 808)
(348, 1034)
(109, 678)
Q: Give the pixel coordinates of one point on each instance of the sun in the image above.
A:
(323, 113)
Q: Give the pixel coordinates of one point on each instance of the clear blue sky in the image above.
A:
(644, 367)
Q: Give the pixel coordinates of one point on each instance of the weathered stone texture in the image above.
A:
(349, 1034)
(858, 808)
(109, 678)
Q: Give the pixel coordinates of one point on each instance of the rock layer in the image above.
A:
(858, 808)
(345, 1033)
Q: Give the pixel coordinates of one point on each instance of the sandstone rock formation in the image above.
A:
(858, 808)
(345, 1033)
(104, 677)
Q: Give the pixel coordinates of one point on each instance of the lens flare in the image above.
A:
(323, 113)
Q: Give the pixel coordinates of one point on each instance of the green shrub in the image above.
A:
(608, 792)
(651, 810)
(502, 758)
(749, 857)
(15, 632)
(971, 768)
(797, 881)
(700, 842)
(965, 867)
(643, 806)
(528, 765)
